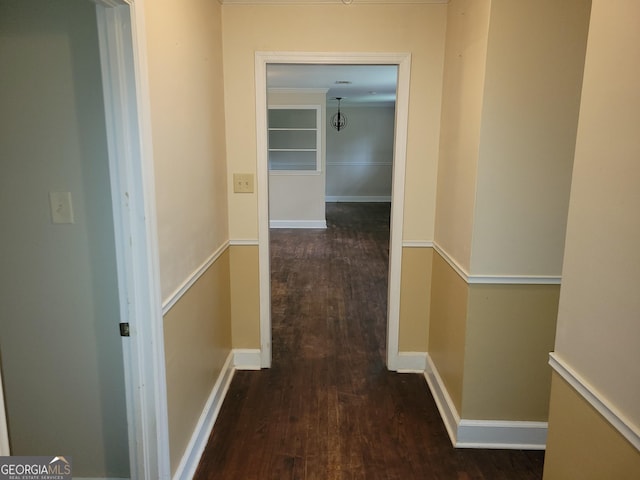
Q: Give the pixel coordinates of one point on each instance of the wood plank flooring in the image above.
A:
(328, 409)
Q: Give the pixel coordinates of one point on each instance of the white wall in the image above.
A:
(360, 157)
(598, 327)
(296, 199)
(59, 338)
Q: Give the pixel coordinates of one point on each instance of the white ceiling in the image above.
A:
(370, 84)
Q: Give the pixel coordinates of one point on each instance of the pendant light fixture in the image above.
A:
(339, 120)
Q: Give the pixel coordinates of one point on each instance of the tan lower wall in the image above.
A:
(245, 296)
(490, 344)
(581, 443)
(509, 333)
(197, 334)
(415, 298)
(447, 327)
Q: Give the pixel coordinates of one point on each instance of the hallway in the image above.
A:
(328, 408)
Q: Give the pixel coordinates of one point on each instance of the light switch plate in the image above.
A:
(61, 207)
(243, 183)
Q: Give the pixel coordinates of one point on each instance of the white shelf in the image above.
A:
(297, 147)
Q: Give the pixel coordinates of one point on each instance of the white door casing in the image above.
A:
(126, 93)
(5, 451)
(403, 61)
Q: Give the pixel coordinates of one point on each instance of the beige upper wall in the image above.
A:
(598, 327)
(532, 90)
(187, 108)
(466, 50)
(417, 29)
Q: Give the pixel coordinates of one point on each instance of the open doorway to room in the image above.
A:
(345, 181)
(330, 162)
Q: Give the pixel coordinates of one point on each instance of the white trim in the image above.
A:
(247, 358)
(417, 244)
(5, 451)
(123, 58)
(502, 434)
(496, 279)
(193, 278)
(297, 224)
(466, 433)
(596, 399)
(191, 458)
(358, 198)
(446, 407)
(397, 206)
(262, 180)
(462, 273)
(247, 242)
(411, 362)
(403, 60)
(515, 279)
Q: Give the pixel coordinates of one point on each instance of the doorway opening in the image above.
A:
(401, 62)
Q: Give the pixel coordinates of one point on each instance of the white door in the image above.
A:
(59, 256)
(126, 96)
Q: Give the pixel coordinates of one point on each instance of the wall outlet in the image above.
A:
(243, 182)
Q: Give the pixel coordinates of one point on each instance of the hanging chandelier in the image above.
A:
(339, 120)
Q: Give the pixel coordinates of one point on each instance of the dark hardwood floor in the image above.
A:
(328, 408)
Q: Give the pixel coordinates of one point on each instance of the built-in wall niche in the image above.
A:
(294, 138)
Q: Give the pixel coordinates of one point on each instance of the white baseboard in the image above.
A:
(411, 362)
(189, 463)
(503, 434)
(247, 359)
(358, 199)
(417, 244)
(466, 433)
(447, 409)
(297, 224)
